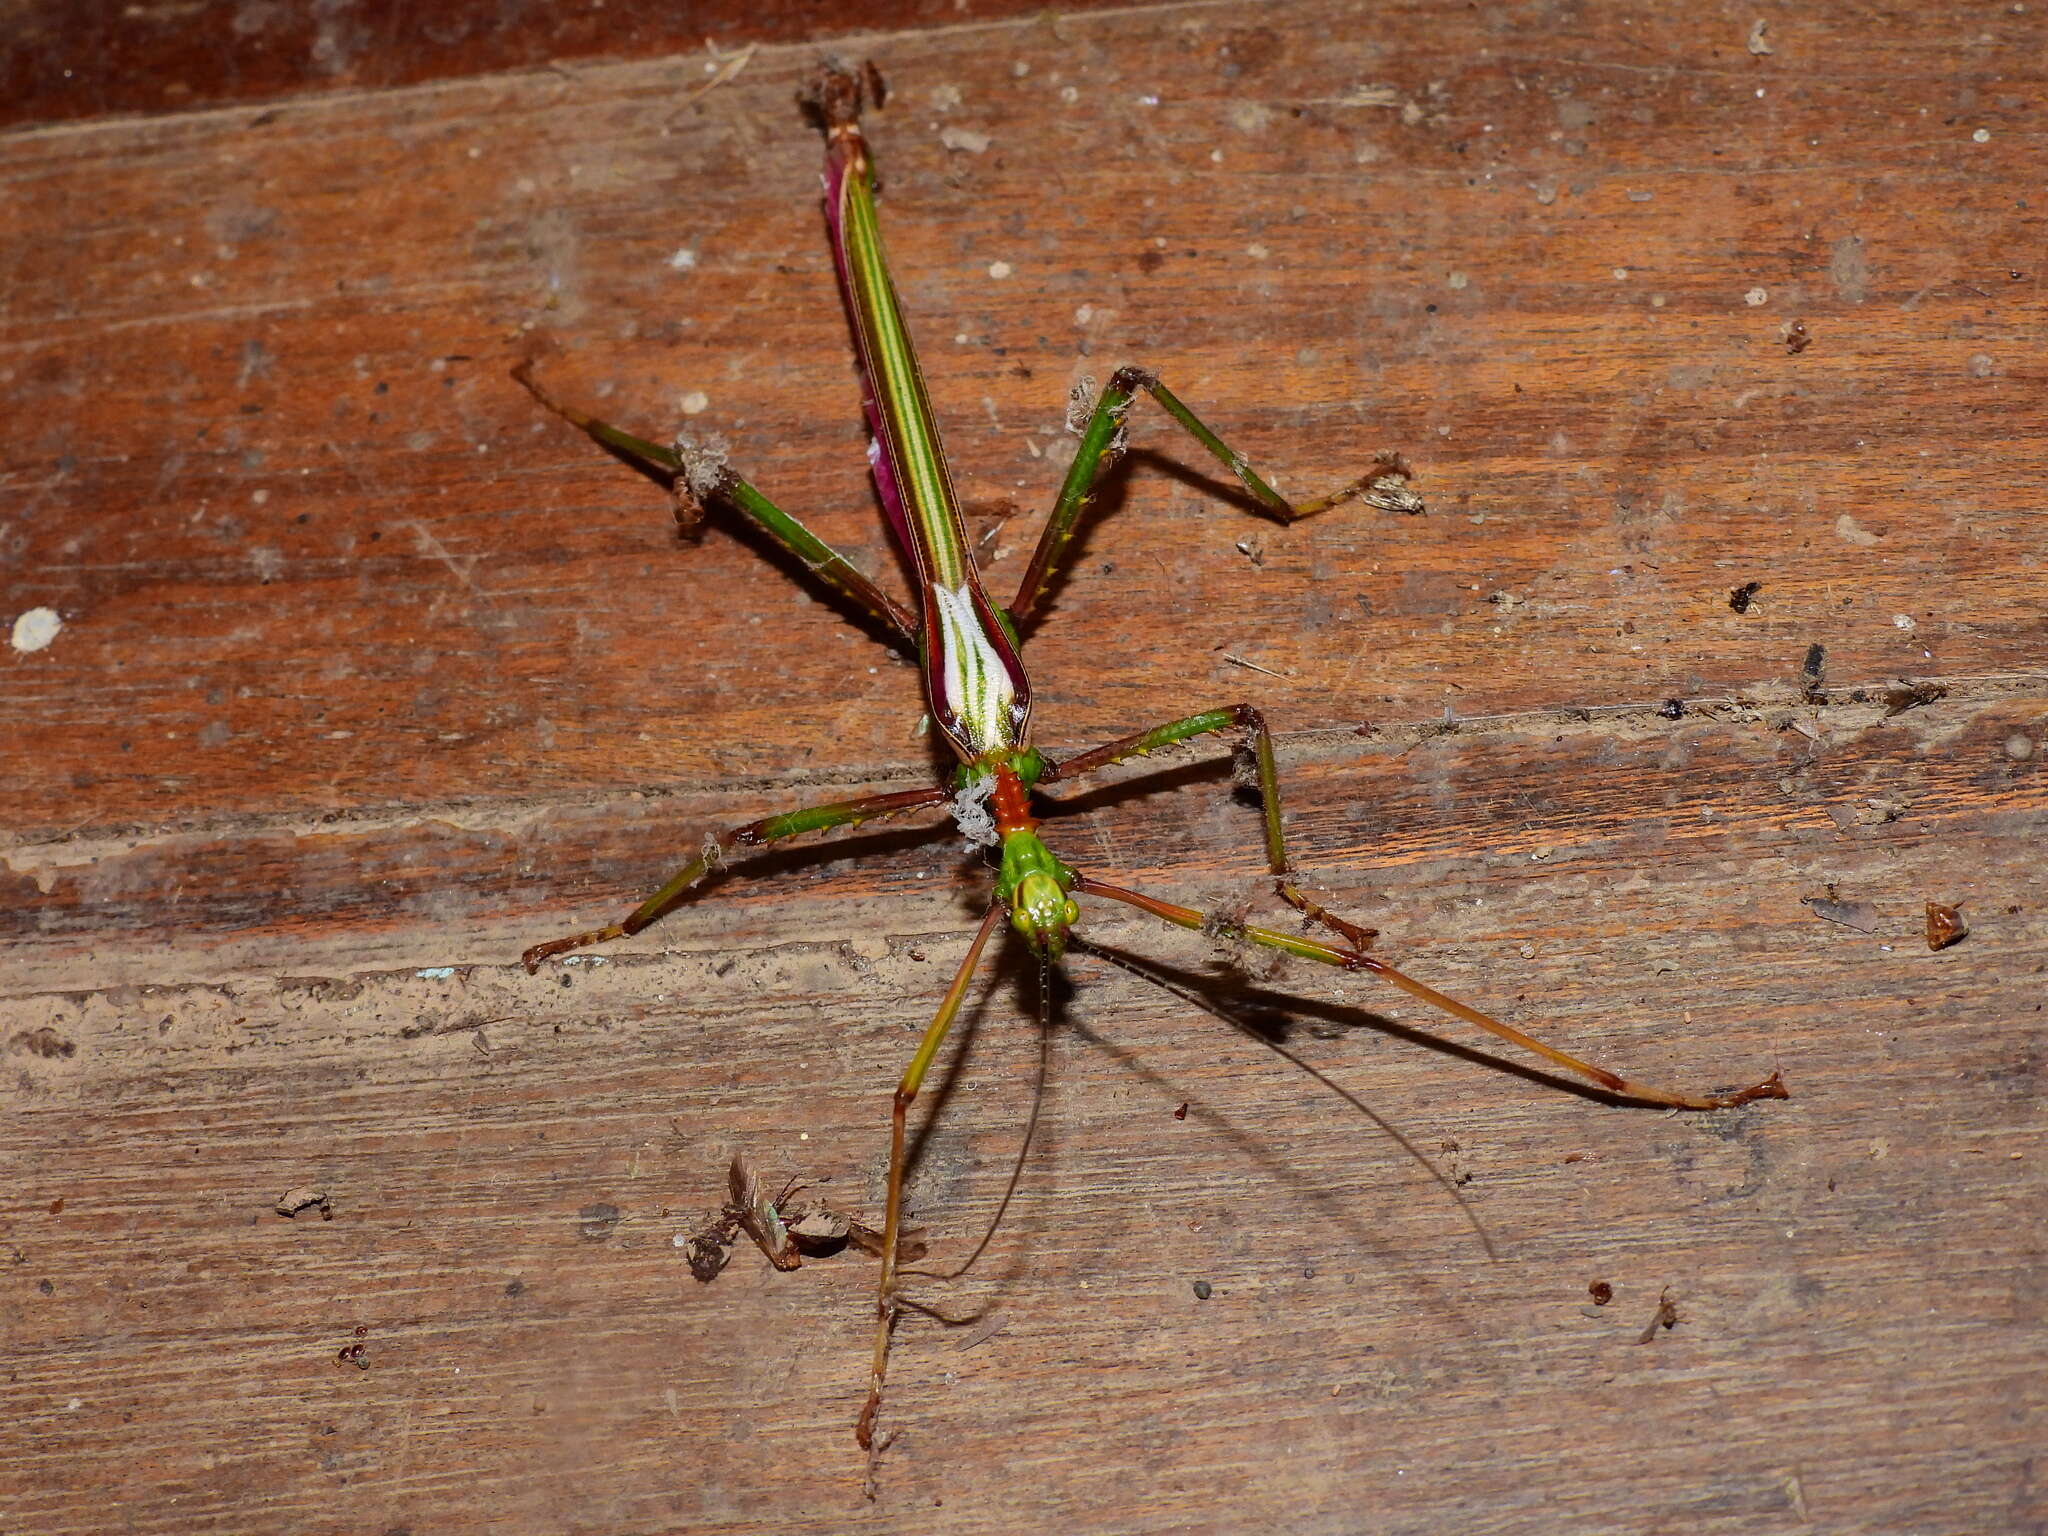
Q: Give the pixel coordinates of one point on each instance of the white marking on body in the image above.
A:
(977, 685)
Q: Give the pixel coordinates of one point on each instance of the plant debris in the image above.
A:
(1945, 926)
(1741, 597)
(786, 1232)
(1813, 674)
(759, 1216)
(1906, 694)
(1860, 915)
(1666, 1317)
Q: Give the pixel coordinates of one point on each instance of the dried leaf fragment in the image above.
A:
(1906, 694)
(758, 1215)
(1860, 915)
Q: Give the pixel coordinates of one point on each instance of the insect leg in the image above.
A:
(769, 829)
(698, 479)
(1352, 958)
(1385, 485)
(906, 1092)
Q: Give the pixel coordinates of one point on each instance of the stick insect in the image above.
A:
(977, 694)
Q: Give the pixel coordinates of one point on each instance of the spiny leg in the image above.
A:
(1258, 739)
(1351, 954)
(697, 477)
(906, 1092)
(1385, 485)
(1352, 958)
(769, 829)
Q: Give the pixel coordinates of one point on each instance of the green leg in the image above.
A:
(1385, 485)
(892, 1221)
(1353, 958)
(769, 829)
(1351, 954)
(697, 477)
(1239, 717)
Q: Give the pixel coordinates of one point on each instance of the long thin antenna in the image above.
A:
(1209, 1005)
(1024, 1147)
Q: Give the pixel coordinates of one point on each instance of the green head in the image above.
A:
(1035, 885)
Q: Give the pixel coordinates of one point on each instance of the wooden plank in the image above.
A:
(369, 676)
(64, 60)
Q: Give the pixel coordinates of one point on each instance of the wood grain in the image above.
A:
(369, 675)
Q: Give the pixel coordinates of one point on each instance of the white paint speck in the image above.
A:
(695, 403)
(1903, 621)
(965, 140)
(1757, 297)
(1458, 282)
(1621, 274)
(260, 498)
(1981, 136)
(999, 270)
(435, 973)
(684, 259)
(34, 630)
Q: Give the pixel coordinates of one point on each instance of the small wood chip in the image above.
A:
(305, 1198)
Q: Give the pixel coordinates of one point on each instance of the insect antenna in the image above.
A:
(1392, 1132)
(1024, 1147)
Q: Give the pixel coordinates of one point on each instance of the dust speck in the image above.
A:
(34, 630)
(1849, 531)
(1849, 269)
